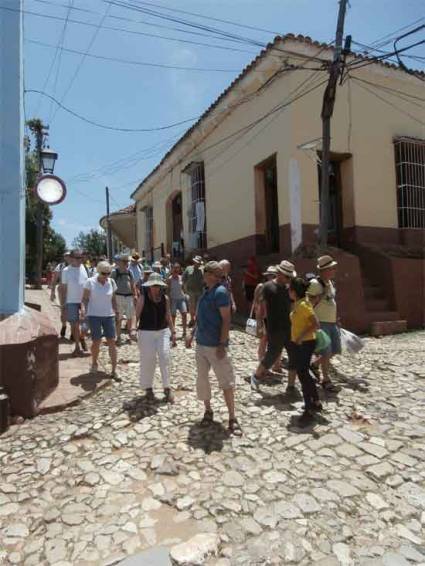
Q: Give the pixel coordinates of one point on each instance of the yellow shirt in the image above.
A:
(300, 320)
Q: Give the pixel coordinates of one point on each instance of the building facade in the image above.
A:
(245, 179)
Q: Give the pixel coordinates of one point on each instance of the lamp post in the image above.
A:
(46, 164)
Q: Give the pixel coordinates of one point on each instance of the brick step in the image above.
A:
(380, 305)
(382, 316)
(383, 328)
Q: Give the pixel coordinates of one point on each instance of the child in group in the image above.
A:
(304, 324)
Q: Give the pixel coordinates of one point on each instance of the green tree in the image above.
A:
(93, 242)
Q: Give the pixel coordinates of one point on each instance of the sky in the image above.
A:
(135, 96)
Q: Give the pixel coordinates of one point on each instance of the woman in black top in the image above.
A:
(154, 327)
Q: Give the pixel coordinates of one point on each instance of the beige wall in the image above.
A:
(362, 125)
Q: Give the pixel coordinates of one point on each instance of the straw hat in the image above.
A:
(325, 262)
(197, 259)
(155, 280)
(287, 268)
(271, 270)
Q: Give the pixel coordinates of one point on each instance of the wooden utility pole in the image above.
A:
(108, 226)
(327, 111)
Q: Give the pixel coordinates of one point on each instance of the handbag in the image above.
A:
(251, 326)
(322, 341)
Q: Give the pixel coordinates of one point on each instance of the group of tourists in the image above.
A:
(290, 313)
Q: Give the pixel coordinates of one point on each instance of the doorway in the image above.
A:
(335, 220)
(267, 211)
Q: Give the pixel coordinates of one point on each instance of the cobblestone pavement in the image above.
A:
(94, 484)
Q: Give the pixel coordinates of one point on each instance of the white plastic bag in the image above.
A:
(251, 327)
(350, 342)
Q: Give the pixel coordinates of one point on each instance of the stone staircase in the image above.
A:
(382, 319)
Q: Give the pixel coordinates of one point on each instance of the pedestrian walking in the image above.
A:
(136, 269)
(259, 308)
(323, 293)
(304, 324)
(155, 327)
(193, 285)
(226, 280)
(100, 306)
(126, 296)
(277, 308)
(92, 270)
(73, 279)
(57, 282)
(177, 296)
(212, 339)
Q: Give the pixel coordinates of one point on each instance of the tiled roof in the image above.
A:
(278, 39)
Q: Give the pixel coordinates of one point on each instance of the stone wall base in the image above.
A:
(29, 365)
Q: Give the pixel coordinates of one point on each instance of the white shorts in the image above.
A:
(125, 305)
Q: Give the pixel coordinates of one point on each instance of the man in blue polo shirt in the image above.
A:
(212, 337)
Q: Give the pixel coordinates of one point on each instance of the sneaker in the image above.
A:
(93, 368)
(254, 382)
(63, 331)
(168, 395)
(306, 418)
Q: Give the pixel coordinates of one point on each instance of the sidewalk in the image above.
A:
(75, 381)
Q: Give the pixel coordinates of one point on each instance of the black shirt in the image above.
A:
(278, 306)
(154, 315)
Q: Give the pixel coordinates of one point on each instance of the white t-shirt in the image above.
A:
(326, 309)
(100, 301)
(74, 279)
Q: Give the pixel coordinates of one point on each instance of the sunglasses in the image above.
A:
(103, 273)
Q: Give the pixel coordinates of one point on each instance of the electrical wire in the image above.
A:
(389, 103)
(105, 126)
(82, 60)
(359, 64)
(137, 63)
(60, 47)
(400, 62)
(388, 38)
(368, 48)
(402, 95)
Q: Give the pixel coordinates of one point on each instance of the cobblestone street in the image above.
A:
(95, 483)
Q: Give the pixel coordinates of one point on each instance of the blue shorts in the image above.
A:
(102, 324)
(73, 312)
(332, 330)
(178, 305)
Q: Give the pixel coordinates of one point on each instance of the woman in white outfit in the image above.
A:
(154, 327)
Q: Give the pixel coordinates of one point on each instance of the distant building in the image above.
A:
(244, 180)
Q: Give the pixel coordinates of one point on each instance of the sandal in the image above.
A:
(234, 428)
(208, 418)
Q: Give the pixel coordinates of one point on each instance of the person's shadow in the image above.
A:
(294, 425)
(140, 407)
(89, 381)
(209, 438)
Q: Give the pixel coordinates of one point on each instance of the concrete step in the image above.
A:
(380, 305)
(383, 328)
(382, 316)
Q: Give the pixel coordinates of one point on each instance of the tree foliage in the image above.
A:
(93, 242)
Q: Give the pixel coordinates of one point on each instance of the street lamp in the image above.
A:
(48, 158)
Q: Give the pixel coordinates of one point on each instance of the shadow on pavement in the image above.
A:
(89, 381)
(293, 424)
(281, 401)
(208, 438)
(140, 407)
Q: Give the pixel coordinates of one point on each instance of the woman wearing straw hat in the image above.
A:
(100, 304)
(258, 307)
(154, 327)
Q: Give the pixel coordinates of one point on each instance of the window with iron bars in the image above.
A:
(410, 175)
(148, 228)
(197, 211)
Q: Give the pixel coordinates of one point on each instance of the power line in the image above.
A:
(359, 64)
(105, 126)
(135, 62)
(400, 93)
(132, 32)
(60, 47)
(388, 38)
(388, 102)
(82, 60)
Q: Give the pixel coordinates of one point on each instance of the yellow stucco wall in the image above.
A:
(362, 126)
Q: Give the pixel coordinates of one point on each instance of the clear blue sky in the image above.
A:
(131, 96)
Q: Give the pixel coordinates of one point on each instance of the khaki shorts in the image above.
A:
(206, 358)
(125, 306)
(193, 301)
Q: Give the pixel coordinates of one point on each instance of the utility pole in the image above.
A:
(326, 115)
(108, 225)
